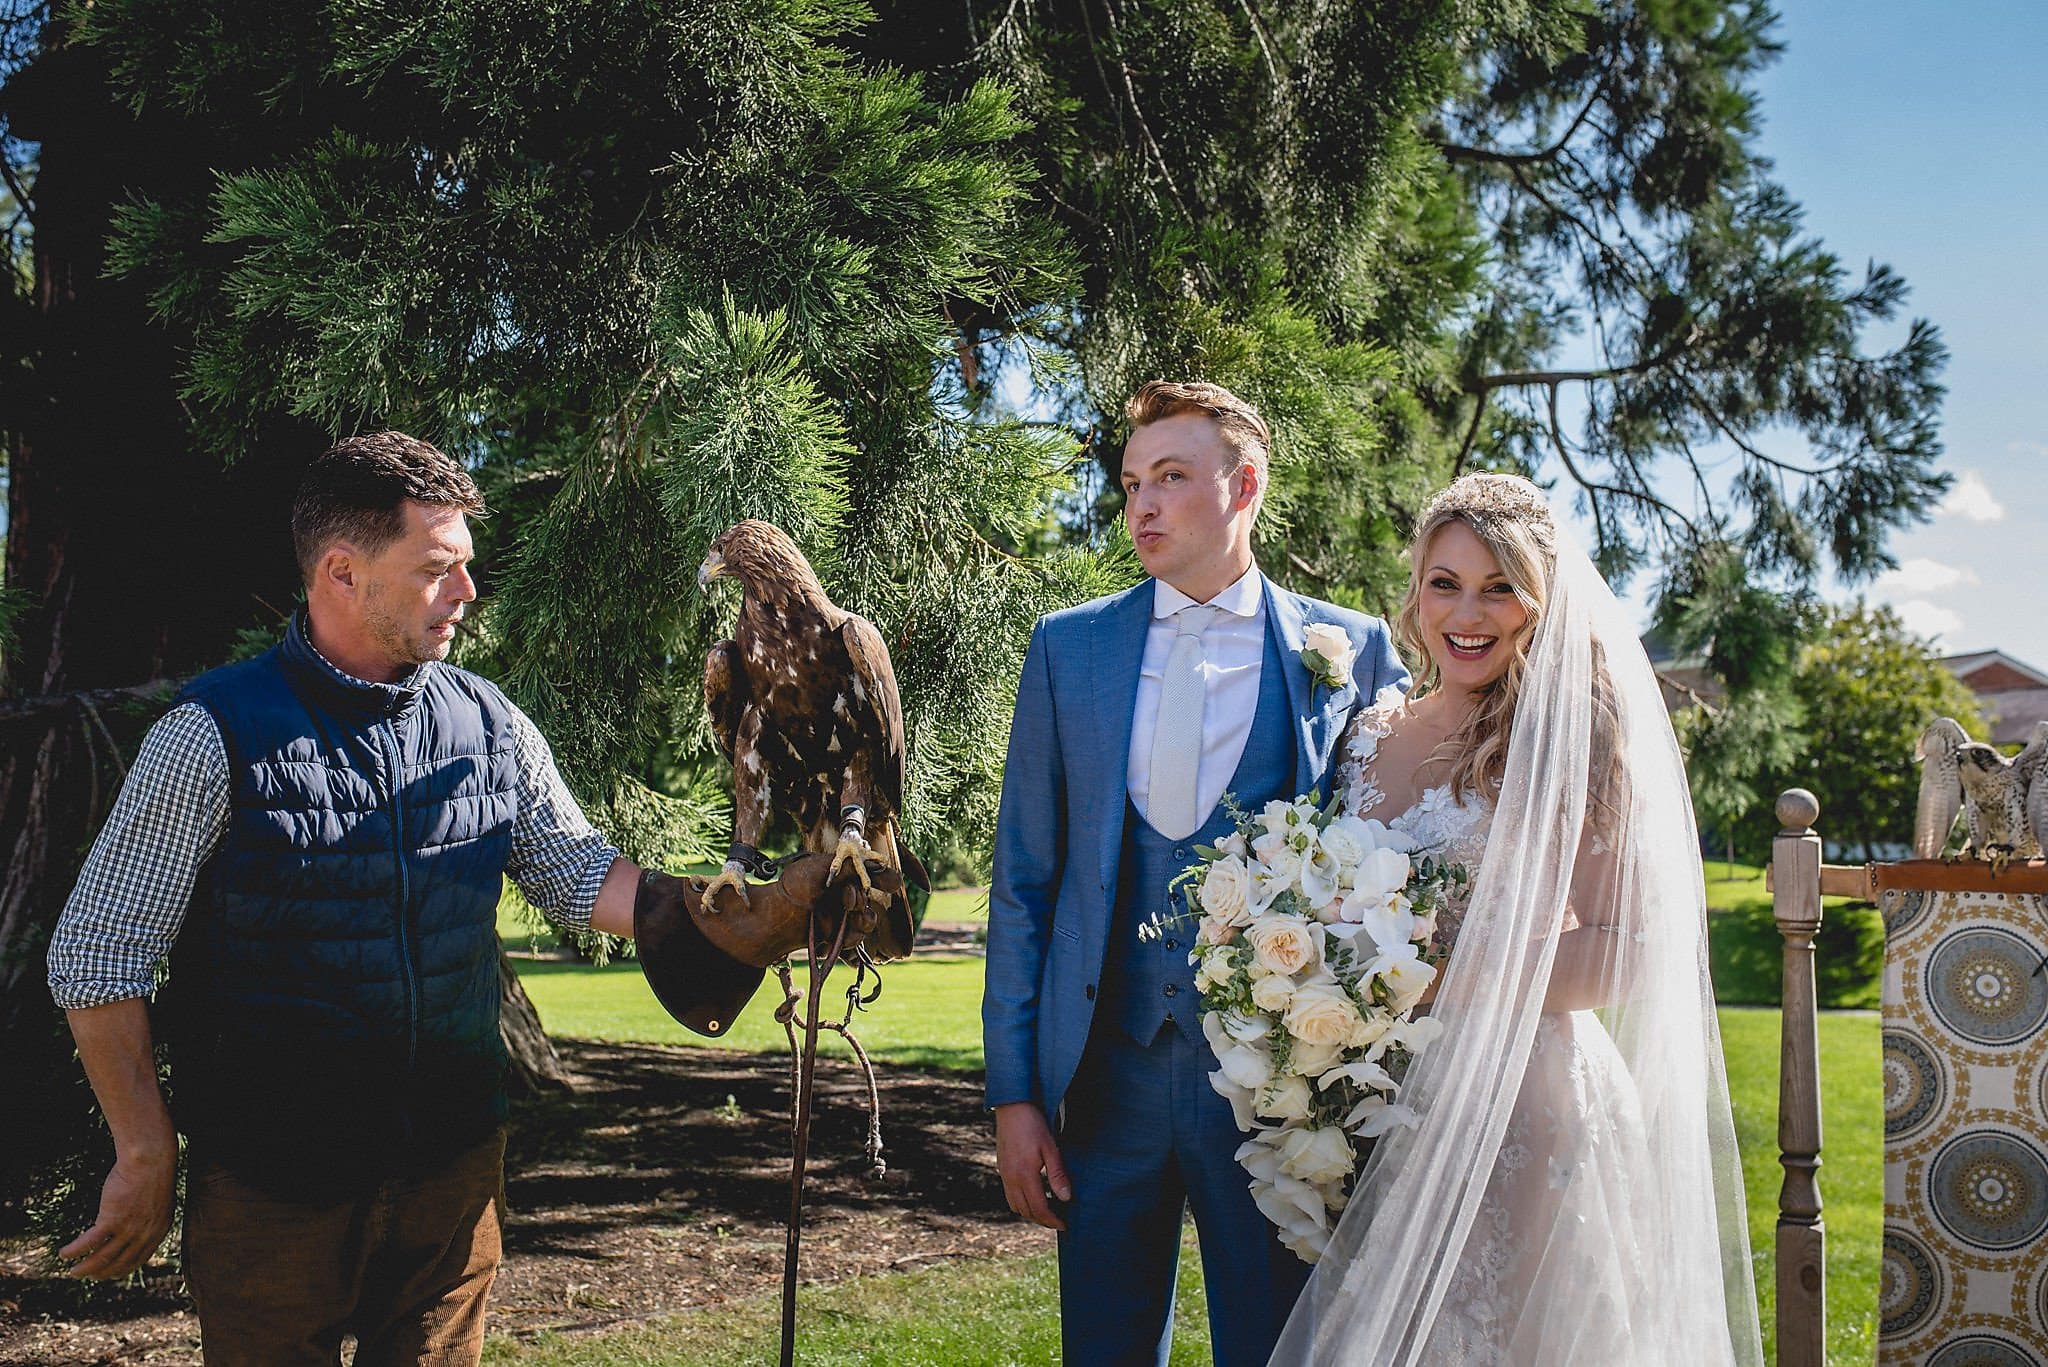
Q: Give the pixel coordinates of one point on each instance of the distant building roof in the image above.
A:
(2013, 694)
(1994, 671)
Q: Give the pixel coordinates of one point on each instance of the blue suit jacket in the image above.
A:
(1060, 830)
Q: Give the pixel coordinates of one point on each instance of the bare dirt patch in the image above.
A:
(643, 1193)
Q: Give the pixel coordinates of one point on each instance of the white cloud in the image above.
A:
(1924, 576)
(1923, 618)
(1970, 498)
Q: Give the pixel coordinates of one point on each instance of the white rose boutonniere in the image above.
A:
(1326, 650)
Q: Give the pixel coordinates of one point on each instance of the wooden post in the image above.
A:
(1795, 903)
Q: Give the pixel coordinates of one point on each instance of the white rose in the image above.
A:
(1273, 992)
(1232, 844)
(1317, 1156)
(1286, 1098)
(1321, 1014)
(1347, 839)
(1285, 944)
(1277, 816)
(1214, 969)
(1371, 1026)
(1214, 932)
(1226, 891)
(1328, 640)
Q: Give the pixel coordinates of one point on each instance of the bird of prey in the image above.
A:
(803, 702)
(2003, 801)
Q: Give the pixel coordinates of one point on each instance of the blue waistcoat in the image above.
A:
(333, 999)
(1150, 982)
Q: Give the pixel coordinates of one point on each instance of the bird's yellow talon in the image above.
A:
(731, 876)
(852, 849)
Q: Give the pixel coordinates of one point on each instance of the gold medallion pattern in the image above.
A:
(1966, 1130)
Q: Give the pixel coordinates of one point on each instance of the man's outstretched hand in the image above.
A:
(134, 1217)
(1029, 1160)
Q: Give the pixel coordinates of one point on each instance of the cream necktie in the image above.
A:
(1177, 730)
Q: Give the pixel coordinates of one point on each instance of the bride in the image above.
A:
(1572, 1192)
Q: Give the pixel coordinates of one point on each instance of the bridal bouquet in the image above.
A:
(1311, 954)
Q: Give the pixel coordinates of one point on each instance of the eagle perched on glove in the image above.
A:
(2003, 801)
(803, 702)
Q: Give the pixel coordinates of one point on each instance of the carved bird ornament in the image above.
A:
(2003, 802)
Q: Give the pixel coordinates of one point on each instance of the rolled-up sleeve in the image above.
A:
(132, 894)
(558, 859)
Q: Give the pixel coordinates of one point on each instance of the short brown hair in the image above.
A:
(357, 492)
(1239, 422)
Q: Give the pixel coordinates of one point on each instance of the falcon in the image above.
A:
(2004, 801)
(803, 702)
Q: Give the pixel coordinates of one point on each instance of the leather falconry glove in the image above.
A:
(704, 962)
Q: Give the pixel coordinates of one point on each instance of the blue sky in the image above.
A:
(1917, 135)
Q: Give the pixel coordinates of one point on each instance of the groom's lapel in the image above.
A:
(1312, 725)
(1118, 654)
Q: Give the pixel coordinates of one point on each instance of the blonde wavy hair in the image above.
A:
(1510, 517)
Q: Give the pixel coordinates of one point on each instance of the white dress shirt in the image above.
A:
(1233, 650)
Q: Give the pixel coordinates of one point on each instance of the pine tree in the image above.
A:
(648, 270)
(1532, 235)
(651, 271)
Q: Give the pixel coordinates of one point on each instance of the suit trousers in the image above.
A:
(1144, 1137)
(405, 1268)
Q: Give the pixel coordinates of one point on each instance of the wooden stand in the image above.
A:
(1796, 882)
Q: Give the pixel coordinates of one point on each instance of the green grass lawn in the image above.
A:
(1747, 953)
(1006, 1311)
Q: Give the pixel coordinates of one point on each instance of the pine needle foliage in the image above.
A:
(651, 269)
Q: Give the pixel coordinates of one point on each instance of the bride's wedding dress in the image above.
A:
(1571, 1190)
(1577, 1104)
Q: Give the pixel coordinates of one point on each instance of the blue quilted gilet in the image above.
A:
(1150, 982)
(333, 999)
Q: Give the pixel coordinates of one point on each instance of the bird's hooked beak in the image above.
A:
(712, 568)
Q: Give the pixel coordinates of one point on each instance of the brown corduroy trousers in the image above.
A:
(405, 1268)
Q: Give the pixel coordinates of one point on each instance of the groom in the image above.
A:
(1136, 713)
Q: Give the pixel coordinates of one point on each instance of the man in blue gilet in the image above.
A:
(316, 840)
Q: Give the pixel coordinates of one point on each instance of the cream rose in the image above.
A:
(1313, 1060)
(1226, 891)
(1284, 944)
(1273, 992)
(1327, 640)
(1321, 1014)
(1215, 968)
(1286, 1098)
(1346, 839)
(1317, 1156)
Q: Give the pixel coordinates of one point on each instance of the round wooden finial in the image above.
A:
(1798, 809)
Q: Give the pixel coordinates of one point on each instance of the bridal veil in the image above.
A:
(1590, 897)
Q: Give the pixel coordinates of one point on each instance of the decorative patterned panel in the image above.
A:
(1965, 1276)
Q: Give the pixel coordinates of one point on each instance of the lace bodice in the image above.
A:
(1441, 825)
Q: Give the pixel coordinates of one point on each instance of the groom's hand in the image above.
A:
(1029, 1161)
